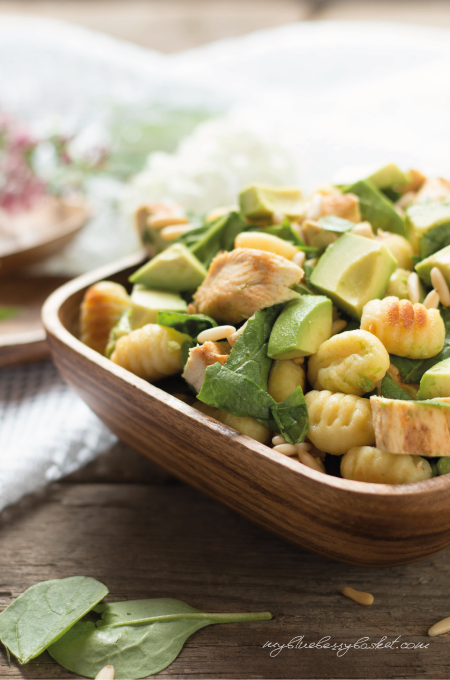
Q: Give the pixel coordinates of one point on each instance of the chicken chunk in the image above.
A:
(410, 427)
(434, 189)
(200, 358)
(344, 205)
(241, 282)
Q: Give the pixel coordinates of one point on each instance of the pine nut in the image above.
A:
(413, 288)
(315, 207)
(299, 360)
(287, 449)
(363, 229)
(107, 673)
(234, 336)
(161, 220)
(304, 446)
(440, 286)
(214, 334)
(306, 459)
(299, 258)
(358, 596)
(440, 627)
(174, 231)
(277, 218)
(338, 326)
(278, 439)
(432, 300)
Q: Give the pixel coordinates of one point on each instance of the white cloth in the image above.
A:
(329, 94)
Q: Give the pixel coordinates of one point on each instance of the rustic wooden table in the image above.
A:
(144, 534)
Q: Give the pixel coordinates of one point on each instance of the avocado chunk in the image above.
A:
(325, 231)
(175, 269)
(303, 325)
(383, 177)
(377, 208)
(426, 216)
(441, 260)
(146, 304)
(258, 202)
(436, 381)
(352, 271)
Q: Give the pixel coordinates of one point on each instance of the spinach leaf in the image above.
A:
(291, 415)
(391, 390)
(189, 324)
(219, 235)
(377, 208)
(335, 223)
(9, 312)
(412, 370)
(308, 270)
(44, 612)
(139, 638)
(435, 240)
(121, 328)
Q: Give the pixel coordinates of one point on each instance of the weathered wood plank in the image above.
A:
(153, 541)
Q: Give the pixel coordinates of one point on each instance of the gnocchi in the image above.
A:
(405, 329)
(400, 248)
(398, 284)
(101, 309)
(151, 352)
(351, 362)
(338, 422)
(284, 377)
(248, 426)
(368, 464)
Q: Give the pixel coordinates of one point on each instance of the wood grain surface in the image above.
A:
(151, 536)
(366, 524)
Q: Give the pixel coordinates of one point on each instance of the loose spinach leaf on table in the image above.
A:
(189, 324)
(412, 370)
(44, 612)
(391, 390)
(240, 386)
(9, 312)
(435, 240)
(138, 638)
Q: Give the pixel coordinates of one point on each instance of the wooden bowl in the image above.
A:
(362, 524)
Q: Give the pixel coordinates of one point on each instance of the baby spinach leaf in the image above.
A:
(139, 638)
(219, 235)
(189, 324)
(391, 390)
(335, 223)
(291, 416)
(44, 612)
(9, 312)
(376, 208)
(435, 240)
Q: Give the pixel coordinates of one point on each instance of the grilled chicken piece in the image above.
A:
(343, 205)
(241, 282)
(434, 189)
(200, 358)
(411, 427)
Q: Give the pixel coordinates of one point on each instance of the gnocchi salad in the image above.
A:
(318, 326)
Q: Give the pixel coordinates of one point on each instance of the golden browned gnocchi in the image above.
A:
(101, 309)
(151, 352)
(405, 329)
(338, 422)
(368, 464)
(351, 362)
(284, 378)
(400, 248)
(245, 425)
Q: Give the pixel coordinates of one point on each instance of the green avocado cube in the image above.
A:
(146, 305)
(426, 216)
(436, 381)
(441, 260)
(376, 208)
(176, 269)
(383, 177)
(303, 325)
(352, 271)
(258, 202)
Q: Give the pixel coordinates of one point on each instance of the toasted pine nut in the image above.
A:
(234, 336)
(405, 200)
(440, 286)
(315, 207)
(174, 231)
(440, 627)
(278, 439)
(312, 261)
(413, 288)
(303, 446)
(299, 360)
(107, 673)
(338, 326)
(161, 220)
(287, 449)
(217, 333)
(358, 596)
(306, 459)
(299, 258)
(363, 229)
(432, 300)
(277, 218)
